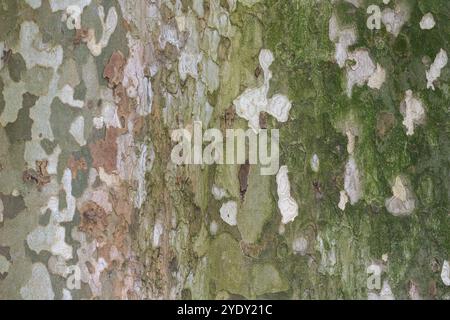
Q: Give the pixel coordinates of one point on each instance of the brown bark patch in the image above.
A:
(76, 165)
(93, 219)
(123, 108)
(104, 151)
(263, 120)
(230, 114)
(385, 123)
(40, 176)
(80, 35)
(113, 71)
(243, 178)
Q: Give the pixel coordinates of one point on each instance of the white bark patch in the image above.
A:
(109, 26)
(39, 287)
(90, 266)
(445, 273)
(158, 230)
(50, 238)
(253, 101)
(352, 184)
(218, 192)
(77, 130)
(66, 295)
(287, 205)
(57, 5)
(213, 227)
(350, 141)
(219, 18)
(413, 111)
(360, 69)
(66, 96)
(434, 72)
(4, 265)
(402, 202)
(343, 38)
(66, 214)
(35, 4)
(300, 245)
(13, 97)
(394, 19)
(134, 80)
(385, 293)
(72, 17)
(34, 51)
(315, 163)
(377, 79)
(188, 65)
(360, 72)
(343, 200)
(228, 213)
(427, 22)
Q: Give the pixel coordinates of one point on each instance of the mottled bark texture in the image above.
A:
(91, 205)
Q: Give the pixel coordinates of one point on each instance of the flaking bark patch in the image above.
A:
(104, 151)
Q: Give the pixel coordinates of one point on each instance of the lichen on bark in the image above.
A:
(91, 205)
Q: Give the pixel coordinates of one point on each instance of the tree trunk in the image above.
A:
(96, 97)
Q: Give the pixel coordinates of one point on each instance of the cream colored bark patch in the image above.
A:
(352, 184)
(445, 273)
(77, 130)
(402, 202)
(39, 287)
(343, 37)
(252, 102)
(35, 4)
(108, 25)
(427, 22)
(57, 5)
(343, 200)
(287, 205)
(377, 79)
(360, 71)
(300, 245)
(413, 111)
(4, 265)
(434, 72)
(228, 213)
(385, 293)
(394, 19)
(158, 230)
(315, 163)
(218, 193)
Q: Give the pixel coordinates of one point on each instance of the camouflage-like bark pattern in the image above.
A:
(91, 205)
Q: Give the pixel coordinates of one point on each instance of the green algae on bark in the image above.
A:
(85, 142)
